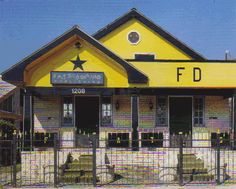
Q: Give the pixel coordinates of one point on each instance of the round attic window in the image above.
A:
(133, 37)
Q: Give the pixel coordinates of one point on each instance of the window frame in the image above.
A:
(158, 138)
(40, 142)
(135, 31)
(124, 140)
(203, 112)
(166, 113)
(143, 53)
(101, 109)
(7, 104)
(62, 112)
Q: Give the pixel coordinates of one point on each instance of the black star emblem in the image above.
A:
(78, 63)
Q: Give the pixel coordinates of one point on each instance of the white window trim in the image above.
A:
(203, 111)
(145, 53)
(130, 41)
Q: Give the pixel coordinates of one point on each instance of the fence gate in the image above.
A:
(6, 162)
(196, 165)
(75, 164)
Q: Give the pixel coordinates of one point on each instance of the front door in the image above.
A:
(180, 120)
(87, 119)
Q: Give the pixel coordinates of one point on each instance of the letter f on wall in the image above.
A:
(178, 72)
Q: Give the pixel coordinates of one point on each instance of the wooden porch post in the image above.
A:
(134, 104)
(233, 103)
(28, 121)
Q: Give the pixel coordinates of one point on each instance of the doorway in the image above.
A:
(87, 119)
(180, 112)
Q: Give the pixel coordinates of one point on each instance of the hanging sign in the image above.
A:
(77, 78)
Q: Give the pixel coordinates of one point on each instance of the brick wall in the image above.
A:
(46, 114)
(49, 107)
(146, 115)
(122, 116)
(217, 113)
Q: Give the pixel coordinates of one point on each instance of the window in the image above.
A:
(144, 57)
(162, 111)
(118, 139)
(152, 139)
(7, 104)
(133, 37)
(44, 140)
(224, 139)
(106, 110)
(67, 111)
(198, 111)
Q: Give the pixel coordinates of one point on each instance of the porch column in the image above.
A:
(233, 119)
(28, 120)
(134, 105)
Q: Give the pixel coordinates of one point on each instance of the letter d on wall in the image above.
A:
(197, 74)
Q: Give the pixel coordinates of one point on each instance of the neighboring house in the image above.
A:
(10, 119)
(131, 80)
(10, 104)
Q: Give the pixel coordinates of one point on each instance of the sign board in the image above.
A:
(77, 78)
(189, 74)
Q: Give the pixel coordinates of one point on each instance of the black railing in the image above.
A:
(62, 163)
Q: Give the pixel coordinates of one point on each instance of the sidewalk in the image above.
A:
(228, 186)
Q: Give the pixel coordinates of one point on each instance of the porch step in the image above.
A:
(197, 177)
(77, 179)
(78, 171)
(69, 173)
(86, 179)
(80, 166)
(188, 157)
(86, 158)
(69, 179)
(198, 164)
(203, 177)
(193, 169)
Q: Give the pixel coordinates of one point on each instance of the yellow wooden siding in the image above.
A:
(39, 74)
(213, 75)
(150, 42)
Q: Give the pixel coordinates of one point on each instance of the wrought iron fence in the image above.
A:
(116, 162)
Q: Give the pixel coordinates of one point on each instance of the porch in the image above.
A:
(123, 115)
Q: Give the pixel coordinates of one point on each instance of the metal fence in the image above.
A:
(117, 162)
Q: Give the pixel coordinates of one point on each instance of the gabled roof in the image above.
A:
(6, 89)
(16, 72)
(133, 13)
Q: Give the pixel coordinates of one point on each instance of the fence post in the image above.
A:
(55, 161)
(218, 158)
(14, 152)
(94, 144)
(180, 160)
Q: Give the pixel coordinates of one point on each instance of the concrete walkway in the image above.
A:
(228, 186)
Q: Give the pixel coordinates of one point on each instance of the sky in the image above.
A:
(207, 26)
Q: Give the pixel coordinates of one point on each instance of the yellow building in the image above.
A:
(130, 81)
